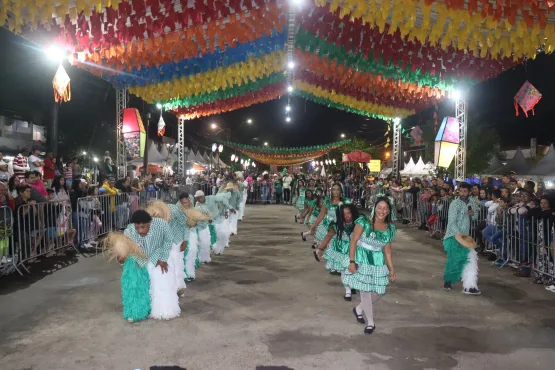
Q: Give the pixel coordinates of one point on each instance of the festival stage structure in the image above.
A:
(385, 59)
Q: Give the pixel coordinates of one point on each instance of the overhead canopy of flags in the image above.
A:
(283, 156)
(376, 58)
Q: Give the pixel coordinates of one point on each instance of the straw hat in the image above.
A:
(466, 241)
(194, 216)
(158, 209)
(121, 246)
(230, 186)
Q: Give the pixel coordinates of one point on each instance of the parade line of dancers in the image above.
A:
(165, 243)
(359, 248)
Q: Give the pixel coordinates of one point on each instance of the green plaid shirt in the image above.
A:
(235, 199)
(458, 221)
(157, 243)
(178, 224)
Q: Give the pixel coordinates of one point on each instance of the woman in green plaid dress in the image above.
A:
(327, 215)
(337, 252)
(314, 207)
(370, 265)
(300, 199)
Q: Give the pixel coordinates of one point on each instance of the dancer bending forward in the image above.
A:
(370, 265)
(147, 283)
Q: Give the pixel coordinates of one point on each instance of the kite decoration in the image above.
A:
(62, 87)
(527, 98)
(416, 134)
(161, 125)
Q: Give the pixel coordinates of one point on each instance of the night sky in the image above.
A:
(89, 118)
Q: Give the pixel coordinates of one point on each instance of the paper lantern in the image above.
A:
(447, 142)
(134, 134)
(527, 98)
(62, 86)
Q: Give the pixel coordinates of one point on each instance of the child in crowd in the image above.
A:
(432, 221)
(94, 209)
(53, 209)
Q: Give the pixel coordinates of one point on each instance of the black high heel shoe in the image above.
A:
(347, 297)
(295, 218)
(303, 237)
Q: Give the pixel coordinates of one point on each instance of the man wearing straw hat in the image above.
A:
(206, 239)
(462, 259)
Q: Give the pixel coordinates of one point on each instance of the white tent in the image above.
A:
(419, 168)
(219, 162)
(408, 167)
(196, 157)
(546, 166)
(207, 159)
(153, 156)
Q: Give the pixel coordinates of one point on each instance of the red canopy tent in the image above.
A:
(356, 156)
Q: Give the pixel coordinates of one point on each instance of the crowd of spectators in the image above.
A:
(42, 202)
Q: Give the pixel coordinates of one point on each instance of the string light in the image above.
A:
(287, 108)
(288, 119)
(291, 65)
(290, 88)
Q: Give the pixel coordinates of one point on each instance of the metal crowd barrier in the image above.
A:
(261, 193)
(517, 239)
(9, 256)
(38, 229)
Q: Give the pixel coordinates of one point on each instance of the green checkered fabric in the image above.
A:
(157, 243)
(372, 273)
(178, 224)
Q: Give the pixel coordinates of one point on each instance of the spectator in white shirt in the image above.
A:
(4, 174)
(287, 180)
(35, 163)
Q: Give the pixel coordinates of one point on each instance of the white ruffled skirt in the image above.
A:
(222, 231)
(192, 251)
(233, 222)
(204, 245)
(176, 261)
(163, 293)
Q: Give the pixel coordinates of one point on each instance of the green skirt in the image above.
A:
(322, 229)
(213, 235)
(312, 219)
(337, 255)
(457, 258)
(135, 291)
(372, 273)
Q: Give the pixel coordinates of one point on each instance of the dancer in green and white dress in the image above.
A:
(314, 207)
(327, 216)
(337, 251)
(370, 262)
(299, 200)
